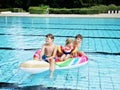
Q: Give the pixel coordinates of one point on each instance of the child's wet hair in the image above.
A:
(50, 35)
(69, 41)
(79, 36)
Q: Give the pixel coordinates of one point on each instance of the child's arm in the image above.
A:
(42, 52)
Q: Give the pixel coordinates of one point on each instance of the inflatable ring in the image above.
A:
(35, 66)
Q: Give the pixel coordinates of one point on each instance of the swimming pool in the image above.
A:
(20, 37)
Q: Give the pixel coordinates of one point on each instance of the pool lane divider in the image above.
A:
(59, 36)
(28, 49)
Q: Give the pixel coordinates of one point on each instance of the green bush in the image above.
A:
(3, 10)
(60, 11)
(92, 10)
(100, 8)
(112, 7)
(118, 8)
(12, 10)
(44, 6)
(73, 11)
(39, 10)
(16, 10)
(88, 11)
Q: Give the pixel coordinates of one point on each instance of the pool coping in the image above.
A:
(62, 15)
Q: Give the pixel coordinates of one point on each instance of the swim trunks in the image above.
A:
(44, 58)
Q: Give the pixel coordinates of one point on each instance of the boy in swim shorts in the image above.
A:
(48, 52)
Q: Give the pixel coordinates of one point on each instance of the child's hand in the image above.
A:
(49, 59)
(40, 59)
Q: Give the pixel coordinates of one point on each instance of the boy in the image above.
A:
(77, 43)
(48, 52)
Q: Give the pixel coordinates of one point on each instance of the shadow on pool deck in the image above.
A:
(13, 86)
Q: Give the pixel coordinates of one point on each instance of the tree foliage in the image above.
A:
(25, 4)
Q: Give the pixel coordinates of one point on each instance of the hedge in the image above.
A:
(12, 10)
(101, 8)
(73, 11)
(39, 10)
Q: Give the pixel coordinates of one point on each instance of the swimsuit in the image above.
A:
(67, 50)
(44, 58)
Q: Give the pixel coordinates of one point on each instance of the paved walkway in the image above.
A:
(60, 15)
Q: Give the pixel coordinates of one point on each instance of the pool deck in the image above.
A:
(114, 15)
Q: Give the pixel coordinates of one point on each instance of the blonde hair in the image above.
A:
(69, 41)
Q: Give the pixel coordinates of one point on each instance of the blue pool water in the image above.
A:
(20, 37)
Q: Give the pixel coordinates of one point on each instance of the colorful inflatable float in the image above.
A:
(36, 66)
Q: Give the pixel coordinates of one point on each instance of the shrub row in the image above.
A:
(13, 10)
(92, 10)
(73, 11)
(1, 10)
(44, 9)
(39, 10)
(16, 10)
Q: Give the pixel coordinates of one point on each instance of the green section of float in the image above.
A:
(64, 63)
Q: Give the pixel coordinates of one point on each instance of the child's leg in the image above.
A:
(52, 67)
(62, 57)
(67, 56)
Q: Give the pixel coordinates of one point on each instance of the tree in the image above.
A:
(25, 4)
(18, 3)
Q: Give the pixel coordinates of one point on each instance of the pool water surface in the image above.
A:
(20, 37)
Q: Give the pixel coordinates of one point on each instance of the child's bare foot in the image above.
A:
(51, 76)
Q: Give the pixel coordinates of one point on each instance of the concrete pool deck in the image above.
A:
(114, 15)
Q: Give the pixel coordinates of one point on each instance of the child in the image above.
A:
(67, 50)
(77, 43)
(48, 52)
